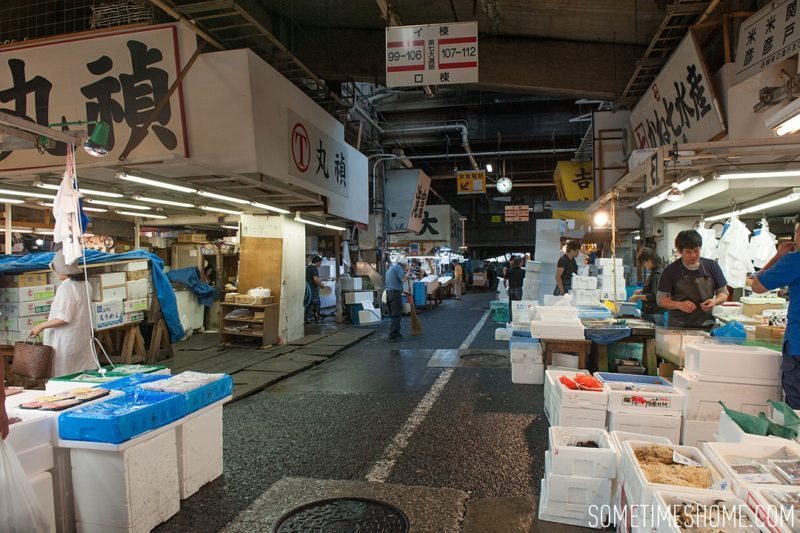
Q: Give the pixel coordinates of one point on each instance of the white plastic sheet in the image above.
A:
(709, 248)
(762, 245)
(734, 253)
(20, 511)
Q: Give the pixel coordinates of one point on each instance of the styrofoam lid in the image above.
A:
(758, 301)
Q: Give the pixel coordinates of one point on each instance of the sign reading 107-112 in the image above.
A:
(433, 54)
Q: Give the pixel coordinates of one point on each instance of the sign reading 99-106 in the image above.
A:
(432, 54)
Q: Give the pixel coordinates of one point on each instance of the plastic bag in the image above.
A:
(734, 253)
(732, 330)
(790, 418)
(762, 245)
(754, 425)
(709, 235)
(20, 511)
(778, 430)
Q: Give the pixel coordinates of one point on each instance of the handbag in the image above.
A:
(32, 360)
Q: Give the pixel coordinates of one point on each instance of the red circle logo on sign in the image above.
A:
(301, 147)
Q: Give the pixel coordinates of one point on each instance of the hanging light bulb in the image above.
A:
(674, 194)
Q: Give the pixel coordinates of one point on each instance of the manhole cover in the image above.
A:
(344, 515)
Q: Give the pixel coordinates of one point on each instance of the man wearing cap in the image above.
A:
(394, 283)
(313, 283)
(68, 328)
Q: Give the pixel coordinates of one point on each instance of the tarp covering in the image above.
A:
(190, 277)
(17, 264)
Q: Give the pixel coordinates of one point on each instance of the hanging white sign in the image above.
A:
(769, 36)
(680, 106)
(316, 157)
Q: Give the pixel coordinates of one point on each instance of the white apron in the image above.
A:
(70, 342)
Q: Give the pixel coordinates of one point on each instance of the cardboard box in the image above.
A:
(192, 237)
(134, 266)
(770, 332)
(107, 314)
(128, 318)
(24, 323)
(24, 280)
(25, 308)
(109, 294)
(28, 294)
(137, 274)
(110, 279)
(137, 289)
(132, 306)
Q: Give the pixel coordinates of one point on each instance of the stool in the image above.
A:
(580, 346)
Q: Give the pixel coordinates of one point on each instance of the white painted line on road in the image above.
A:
(383, 468)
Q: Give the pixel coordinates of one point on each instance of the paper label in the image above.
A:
(681, 460)
(722, 485)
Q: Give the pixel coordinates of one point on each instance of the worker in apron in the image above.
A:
(691, 286)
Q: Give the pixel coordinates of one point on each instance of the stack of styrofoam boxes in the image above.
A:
(548, 252)
(750, 487)
(532, 284)
(584, 290)
(556, 322)
(32, 442)
(611, 272)
(550, 383)
(26, 301)
(369, 314)
(109, 291)
(701, 409)
(734, 515)
(575, 408)
(643, 404)
(617, 438)
(521, 316)
(577, 483)
(527, 365)
(137, 289)
(744, 377)
(637, 494)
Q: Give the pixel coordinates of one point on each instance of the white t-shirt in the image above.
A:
(71, 349)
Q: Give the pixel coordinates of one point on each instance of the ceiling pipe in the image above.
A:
(461, 128)
(189, 24)
(507, 153)
(710, 9)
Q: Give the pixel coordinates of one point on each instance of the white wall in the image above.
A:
(665, 245)
(743, 123)
(293, 269)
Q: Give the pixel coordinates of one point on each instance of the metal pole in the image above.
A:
(137, 235)
(8, 229)
(338, 244)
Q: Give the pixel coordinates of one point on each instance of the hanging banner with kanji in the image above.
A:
(118, 77)
(574, 181)
(472, 182)
(680, 105)
(769, 36)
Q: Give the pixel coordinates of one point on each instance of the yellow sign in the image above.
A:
(473, 182)
(574, 181)
(567, 214)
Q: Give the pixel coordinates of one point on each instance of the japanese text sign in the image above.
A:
(769, 36)
(471, 182)
(517, 213)
(434, 54)
(574, 181)
(118, 78)
(316, 157)
(680, 106)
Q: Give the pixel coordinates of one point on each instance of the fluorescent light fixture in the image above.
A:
(119, 204)
(682, 186)
(650, 202)
(786, 120)
(489, 167)
(12, 201)
(334, 227)
(230, 227)
(160, 201)
(763, 206)
(93, 209)
(222, 197)
(305, 219)
(758, 174)
(690, 182)
(143, 215)
(155, 183)
(720, 217)
(26, 194)
(270, 208)
(43, 231)
(90, 192)
(220, 210)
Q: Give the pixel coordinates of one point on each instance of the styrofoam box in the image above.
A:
(527, 357)
(580, 417)
(551, 379)
(28, 294)
(527, 373)
(575, 490)
(199, 442)
(351, 284)
(702, 397)
(639, 490)
(502, 334)
(585, 297)
(26, 308)
(607, 282)
(109, 294)
(608, 294)
(42, 485)
(521, 310)
(584, 282)
(664, 500)
(565, 359)
(137, 289)
(110, 279)
(62, 491)
(564, 513)
(570, 460)
(729, 431)
(359, 297)
(525, 348)
(698, 432)
(130, 267)
(579, 398)
(133, 489)
(131, 306)
(372, 316)
(666, 401)
(550, 312)
(556, 330)
(732, 363)
(607, 261)
(35, 430)
(767, 512)
(659, 425)
(24, 323)
(717, 452)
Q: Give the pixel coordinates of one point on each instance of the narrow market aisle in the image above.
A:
(444, 440)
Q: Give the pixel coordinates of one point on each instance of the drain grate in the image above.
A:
(344, 515)
(484, 360)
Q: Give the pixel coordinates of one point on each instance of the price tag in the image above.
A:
(681, 460)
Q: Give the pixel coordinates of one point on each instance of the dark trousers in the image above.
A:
(312, 310)
(655, 318)
(514, 294)
(394, 300)
(790, 377)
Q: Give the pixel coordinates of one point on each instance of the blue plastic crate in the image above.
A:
(208, 394)
(122, 418)
(133, 381)
(593, 312)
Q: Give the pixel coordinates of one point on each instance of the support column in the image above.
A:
(8, 229)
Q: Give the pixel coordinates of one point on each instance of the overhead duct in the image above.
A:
(461, 128)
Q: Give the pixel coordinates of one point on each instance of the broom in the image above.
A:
(416, 327)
